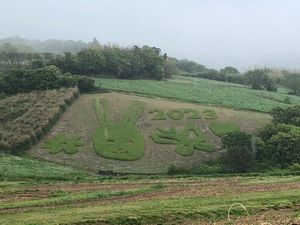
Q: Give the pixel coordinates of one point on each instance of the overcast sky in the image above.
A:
(216, 33)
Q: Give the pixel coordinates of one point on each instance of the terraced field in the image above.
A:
(204, 91)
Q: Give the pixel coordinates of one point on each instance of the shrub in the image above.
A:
(294, 167)
(239, 156)
(290, 115)
(279, 144)
(85, 84)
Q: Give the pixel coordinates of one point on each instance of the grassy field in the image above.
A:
(204, 91)
(136, 201)
(24, 168)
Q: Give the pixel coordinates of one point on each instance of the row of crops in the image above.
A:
(26, 118)
(205, 92)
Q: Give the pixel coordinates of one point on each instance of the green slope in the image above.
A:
(203, 91)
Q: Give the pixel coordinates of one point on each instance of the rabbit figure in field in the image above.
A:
(118, 140)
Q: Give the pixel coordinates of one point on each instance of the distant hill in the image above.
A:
(48, 46)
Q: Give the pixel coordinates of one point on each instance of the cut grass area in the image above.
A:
(16, 167)
(203, 91)
(61, 197)
(220, 129)
(156, 211)
(271, 180)
(62, 143)
(118, 140)
(189, 139)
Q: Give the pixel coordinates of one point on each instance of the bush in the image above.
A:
(46, 78)
(85, 84)
(279, 144)
(290, 115)
(239, 156)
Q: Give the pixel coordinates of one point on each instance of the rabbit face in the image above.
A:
(118, 141)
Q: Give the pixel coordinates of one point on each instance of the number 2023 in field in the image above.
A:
(180, 114)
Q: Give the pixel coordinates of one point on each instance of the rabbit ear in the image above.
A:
(102, 110)
(135, 109)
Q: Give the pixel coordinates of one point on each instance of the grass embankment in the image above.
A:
(203, 91)
(24, 168)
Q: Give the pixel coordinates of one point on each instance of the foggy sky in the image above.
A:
(216, 33)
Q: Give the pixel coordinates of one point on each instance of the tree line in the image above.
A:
(138, 63)
(126, 63)
(41, 79)
(260, 79)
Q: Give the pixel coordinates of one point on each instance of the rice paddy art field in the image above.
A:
(138, 135)
(123, 133)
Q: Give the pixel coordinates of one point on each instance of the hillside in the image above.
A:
(205, 92)
(131, 134)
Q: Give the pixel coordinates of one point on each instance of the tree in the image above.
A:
(226, 72)
(259, 79)
(189, 66)
(239, 156)
(91, 61)
(292, 81)
(45, 78)
(170, 67)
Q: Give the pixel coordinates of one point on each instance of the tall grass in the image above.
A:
(26, 118)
